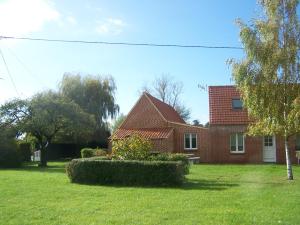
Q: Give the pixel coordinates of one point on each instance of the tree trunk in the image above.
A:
(288, 160)
(43, 162)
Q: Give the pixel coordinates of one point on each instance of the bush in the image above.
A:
(25, 152)
(99, 152)
(9, 158)
(87, 152)
(134, 147)
(125, 172)
(172, 157)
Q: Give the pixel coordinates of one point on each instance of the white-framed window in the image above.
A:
(190, 141)
(237, 143)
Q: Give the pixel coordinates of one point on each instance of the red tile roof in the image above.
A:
(167, 111)
(220, 106)
(149, 133)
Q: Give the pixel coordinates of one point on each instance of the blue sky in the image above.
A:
(169, 21)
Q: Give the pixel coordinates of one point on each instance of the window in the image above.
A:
(268, 141)
(237, 143)
(190, 141)
(298, 142)
(237, 104)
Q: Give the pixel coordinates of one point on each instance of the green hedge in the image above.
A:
(125, 172)
(172, 157)
(9, 158)
(25, 152)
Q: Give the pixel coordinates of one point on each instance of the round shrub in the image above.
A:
(87, 152)
(134, 147)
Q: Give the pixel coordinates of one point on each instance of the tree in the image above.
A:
(197, 123)
(44, 116)
(169, 91)
(95, 95)
(268, 78)
(117, 122)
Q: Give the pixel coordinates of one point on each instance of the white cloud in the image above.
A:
(110, 26)
(71, 20)
(19, 17)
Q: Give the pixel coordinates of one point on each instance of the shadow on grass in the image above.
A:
(189, 184)
(33, 167)
(201, 184)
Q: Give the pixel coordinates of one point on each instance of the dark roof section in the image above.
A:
(167, 111)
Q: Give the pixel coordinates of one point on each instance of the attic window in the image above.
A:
(237, 103)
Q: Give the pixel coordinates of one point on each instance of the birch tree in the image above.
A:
(268, 77)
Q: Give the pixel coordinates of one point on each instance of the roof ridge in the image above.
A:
(172, 112)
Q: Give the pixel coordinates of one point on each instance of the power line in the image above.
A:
(121, 43)
(26, 68)
(10, 76)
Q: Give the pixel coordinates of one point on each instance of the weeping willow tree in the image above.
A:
(268, 76)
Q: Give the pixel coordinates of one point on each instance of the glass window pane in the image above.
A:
(240, 142)
(194, 141)
(237, 104)
(187, 141)
(233, 142)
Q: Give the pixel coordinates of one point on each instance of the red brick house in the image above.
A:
(224, 142)
(228, 122)
(159, 122)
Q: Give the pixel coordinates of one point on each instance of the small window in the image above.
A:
(268, 141)
(237, 104)
(237, 143)
(190, 141)
(298, 142)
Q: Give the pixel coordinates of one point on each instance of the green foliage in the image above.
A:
(10, 158)
(123, 172)
(25, 152)
(100, 152)
(119, 120)
(134, 147)
(87, 152)
(172, 157)
(268, 77)
(90, 152)
(44, 116)
(95, 95)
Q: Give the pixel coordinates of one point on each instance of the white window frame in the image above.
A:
(236, 151)
(190, 137)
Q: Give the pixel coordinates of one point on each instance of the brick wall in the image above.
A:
(220, 147)
(203, 140)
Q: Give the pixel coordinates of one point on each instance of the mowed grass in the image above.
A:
(213, 194)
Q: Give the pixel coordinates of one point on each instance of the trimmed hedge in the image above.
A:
(125, 172)
(172, 157)
(9, 158)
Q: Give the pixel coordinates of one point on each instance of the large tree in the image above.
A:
(169, 91)
(268, 78)
(95, 95)
(44, 116)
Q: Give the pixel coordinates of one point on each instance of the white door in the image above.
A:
(269, 149)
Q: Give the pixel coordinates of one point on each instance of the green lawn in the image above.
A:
(214, 194)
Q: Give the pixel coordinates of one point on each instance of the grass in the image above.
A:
(214, 194)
